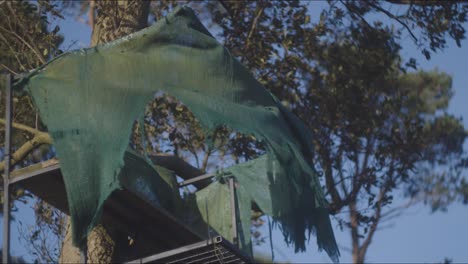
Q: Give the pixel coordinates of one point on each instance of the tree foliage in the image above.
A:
(430, 24)
(380, 127)
(27, 40)
(377, 128)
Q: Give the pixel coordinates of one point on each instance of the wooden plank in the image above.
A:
(33, 168)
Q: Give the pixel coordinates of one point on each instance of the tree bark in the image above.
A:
(115, 19)
(100, 245)
(111, 20)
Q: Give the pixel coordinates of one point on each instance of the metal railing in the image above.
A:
(6, 177)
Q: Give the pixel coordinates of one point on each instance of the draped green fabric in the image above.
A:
(89, 99)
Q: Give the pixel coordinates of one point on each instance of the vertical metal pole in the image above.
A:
(6, 185)
(233, 210)
(84, 255)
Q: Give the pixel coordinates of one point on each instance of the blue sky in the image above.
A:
(416, 236)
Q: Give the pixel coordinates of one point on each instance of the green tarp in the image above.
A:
(89, 99)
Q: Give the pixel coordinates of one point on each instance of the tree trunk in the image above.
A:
(115, 19)
(100, 246)
(110, 20)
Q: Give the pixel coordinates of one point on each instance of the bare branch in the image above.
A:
(359, 15)
(205, 160)
(13, 51)
(339, 160)
(34, 50)
(8, 69)
(392, 16)
(398, 210)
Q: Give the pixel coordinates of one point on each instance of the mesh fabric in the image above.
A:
(89, 99)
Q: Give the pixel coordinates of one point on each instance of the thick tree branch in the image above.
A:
(39, 138)
(8, 69)
(23, 127)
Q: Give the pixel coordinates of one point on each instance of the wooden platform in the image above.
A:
(152, 229)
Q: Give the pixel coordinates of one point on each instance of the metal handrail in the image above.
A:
(6, 177)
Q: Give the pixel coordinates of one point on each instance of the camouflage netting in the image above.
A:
(89, 99)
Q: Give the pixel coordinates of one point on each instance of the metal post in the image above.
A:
(6, 184)
(84, 255)
(195, 179)
(233, 210)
